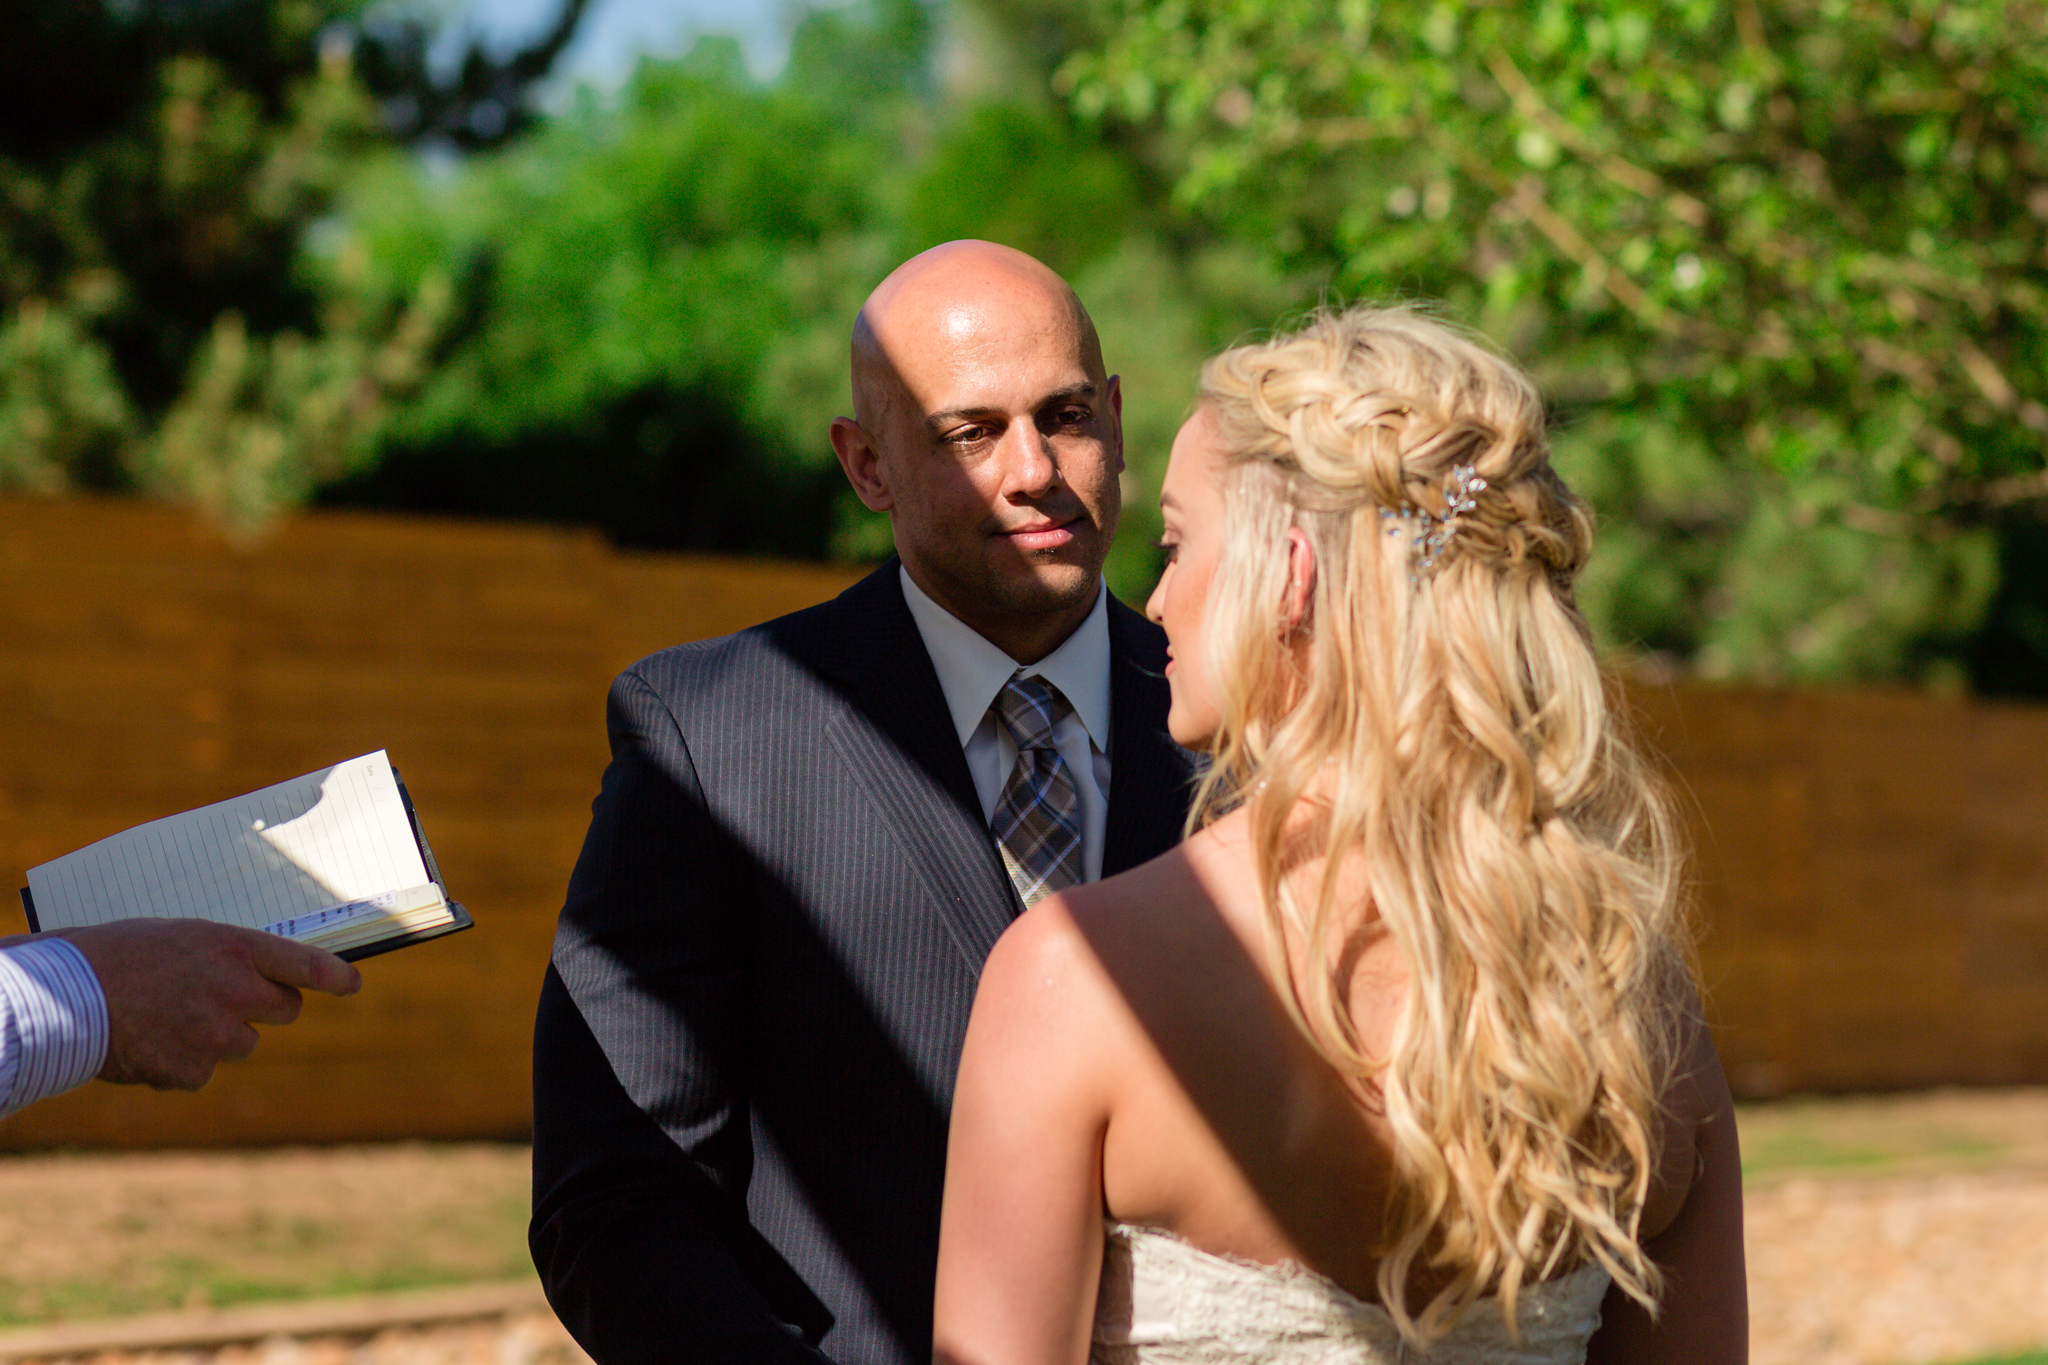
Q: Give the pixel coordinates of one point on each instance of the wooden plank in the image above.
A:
(1871, 877)
(152, 667)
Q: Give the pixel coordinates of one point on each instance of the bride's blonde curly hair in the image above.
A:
(1444, 717)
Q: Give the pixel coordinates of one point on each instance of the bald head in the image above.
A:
(987, 428)
(958, 294)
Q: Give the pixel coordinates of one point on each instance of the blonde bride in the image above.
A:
(1398, 1055)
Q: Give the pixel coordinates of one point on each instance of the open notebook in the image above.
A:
(335, 858)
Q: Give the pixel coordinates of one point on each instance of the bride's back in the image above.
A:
(1409, 1009)
(1432, 907)
(1230, 1130)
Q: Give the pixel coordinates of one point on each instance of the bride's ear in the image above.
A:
(1301, 582)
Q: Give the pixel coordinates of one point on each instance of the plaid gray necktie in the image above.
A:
(1037, 821)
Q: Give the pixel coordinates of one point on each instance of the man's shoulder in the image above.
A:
(705, 660)
(703, 671)
(809, 646)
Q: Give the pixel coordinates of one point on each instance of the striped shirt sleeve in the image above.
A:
(53, 1022)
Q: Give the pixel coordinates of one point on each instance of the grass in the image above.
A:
(1812, 1139)
(1883, 1135)
(104, 1235)
(195, 1282)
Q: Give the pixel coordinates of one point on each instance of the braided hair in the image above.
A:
(1442, 716)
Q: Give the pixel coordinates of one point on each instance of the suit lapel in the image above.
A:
(897, 736)
(1150, 775)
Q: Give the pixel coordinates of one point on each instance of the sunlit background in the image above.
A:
(388, 374)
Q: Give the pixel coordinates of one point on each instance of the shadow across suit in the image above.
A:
(744, 1058)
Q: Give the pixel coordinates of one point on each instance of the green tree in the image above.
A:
(652, 295)
(633, 291)
(161, 164)
(1779, 264)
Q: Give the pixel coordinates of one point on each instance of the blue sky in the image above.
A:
(615, 32)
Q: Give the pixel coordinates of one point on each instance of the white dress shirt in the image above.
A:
(972, 671)
(53, 1022)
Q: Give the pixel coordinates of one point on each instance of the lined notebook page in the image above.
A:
(339, 834)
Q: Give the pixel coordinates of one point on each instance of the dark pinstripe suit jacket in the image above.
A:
(744, 1058)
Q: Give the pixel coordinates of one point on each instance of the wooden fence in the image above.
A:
(146, 667)
(1872, 872)
(1874, 892)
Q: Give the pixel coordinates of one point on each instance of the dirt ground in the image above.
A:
(92, 1235)
(1899, 1270)
(1896, 1231)
(516, 1339)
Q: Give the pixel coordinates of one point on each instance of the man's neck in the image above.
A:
(1025, 638)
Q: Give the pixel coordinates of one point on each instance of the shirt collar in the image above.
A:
(971, 670)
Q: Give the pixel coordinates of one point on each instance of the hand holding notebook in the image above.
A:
(335, 859)
(182, 995)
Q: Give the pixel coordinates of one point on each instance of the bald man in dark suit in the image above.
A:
(812, 832)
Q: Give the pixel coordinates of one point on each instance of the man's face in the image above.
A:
(999, 451)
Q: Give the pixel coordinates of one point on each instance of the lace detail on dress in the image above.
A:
(1164, 1302)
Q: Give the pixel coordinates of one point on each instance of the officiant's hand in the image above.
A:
(182, 994)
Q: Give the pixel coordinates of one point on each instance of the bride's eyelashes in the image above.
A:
(1171, 548)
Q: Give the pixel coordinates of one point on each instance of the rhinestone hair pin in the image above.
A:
(1428, 534)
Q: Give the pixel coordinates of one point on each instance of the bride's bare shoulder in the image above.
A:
(1053, 1014)
(1084, 920)
(1086, 949)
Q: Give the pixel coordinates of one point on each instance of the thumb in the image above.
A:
(305, 967)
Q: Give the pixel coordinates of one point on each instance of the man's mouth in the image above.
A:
(1044, 534)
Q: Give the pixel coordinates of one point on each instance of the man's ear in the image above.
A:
(862, 463)
(1301, 582)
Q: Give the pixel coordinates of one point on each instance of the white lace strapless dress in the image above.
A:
(1164, 1302)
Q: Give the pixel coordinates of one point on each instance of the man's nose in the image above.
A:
(1032, 470)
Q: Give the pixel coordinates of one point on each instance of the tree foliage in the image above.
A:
(162, 163)
(482, 104)
(631, 285)
(652, 295)
(1779, 263)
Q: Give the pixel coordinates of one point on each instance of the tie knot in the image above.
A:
(1028, 707)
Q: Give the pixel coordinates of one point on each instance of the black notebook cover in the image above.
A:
(462, 920)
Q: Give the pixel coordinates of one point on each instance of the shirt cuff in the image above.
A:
(53, 1016)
